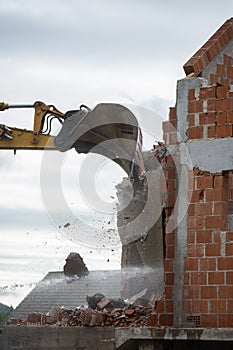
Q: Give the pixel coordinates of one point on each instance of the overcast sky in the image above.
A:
(67, 53)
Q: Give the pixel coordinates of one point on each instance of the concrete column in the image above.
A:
(182, 161)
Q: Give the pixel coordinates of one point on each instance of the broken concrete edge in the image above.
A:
(117, 336)
(204, 334)
(55, 338)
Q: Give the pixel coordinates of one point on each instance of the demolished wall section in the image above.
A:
(206, 285)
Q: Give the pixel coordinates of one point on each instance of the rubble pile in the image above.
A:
(102, 312)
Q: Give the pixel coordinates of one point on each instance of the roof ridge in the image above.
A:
(210, 49)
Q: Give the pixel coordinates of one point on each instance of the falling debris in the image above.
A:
(75, 266)
(67, 225)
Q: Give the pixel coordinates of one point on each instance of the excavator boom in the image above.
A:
(109, 129)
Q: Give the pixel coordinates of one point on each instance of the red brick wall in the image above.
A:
(208, 277)
(208, 289)
(211, 108)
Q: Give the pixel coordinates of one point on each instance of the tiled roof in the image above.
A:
(55, 290)
(210, 49)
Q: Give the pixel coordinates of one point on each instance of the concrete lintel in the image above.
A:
(203, 154)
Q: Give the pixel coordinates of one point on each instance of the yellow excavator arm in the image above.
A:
(109, 129)
(36, 139)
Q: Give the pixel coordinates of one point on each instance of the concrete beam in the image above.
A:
(195, 334)
(203, 154)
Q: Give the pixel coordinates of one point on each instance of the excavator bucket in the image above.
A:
(110, 130)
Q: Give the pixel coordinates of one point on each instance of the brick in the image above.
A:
(168, 212)
(229, 249)
(191, 237)
(203, 182)
(229, 236)
(227, 60)
(169, 239)
(195, 172)
(208, 264)
(212, 222)
(208, 92)
(209, 320)
(204, 236)
(152, 321)
(198, 278)
(195, 223)
(230, 73)
(203, 209)
(191, 264)
(215, 277)
(225, 263)
(212, 249)
(224, 131)
(199, 306)
(166, 320)
(207, 118)
(230, 306)
(221, 118)
(191, 94)
(220, 69)
(191, 292)
(196, 196)
(195, 132)
(225, 292)
(216, 195)
(225, 320)
(219, 181)
(208, 292)
(218, 306)
(213, 79)
(168, 292)
(211, 131)
(169, 278)
(187, 278)
(168, 265)
(167, 127)
(160, 306)
(171, 171)
(171, 199)
(223, 81)
(170, 252)
(191, 209)
(217, 236)
(211, 105)
(172, 113)
(169, 306)
(195, 250)
(222, 91)
(229, 279)
(171, 185)
(220, 208)
(224, 104)
(230, 117)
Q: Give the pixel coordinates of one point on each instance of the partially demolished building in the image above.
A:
(194, 233)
